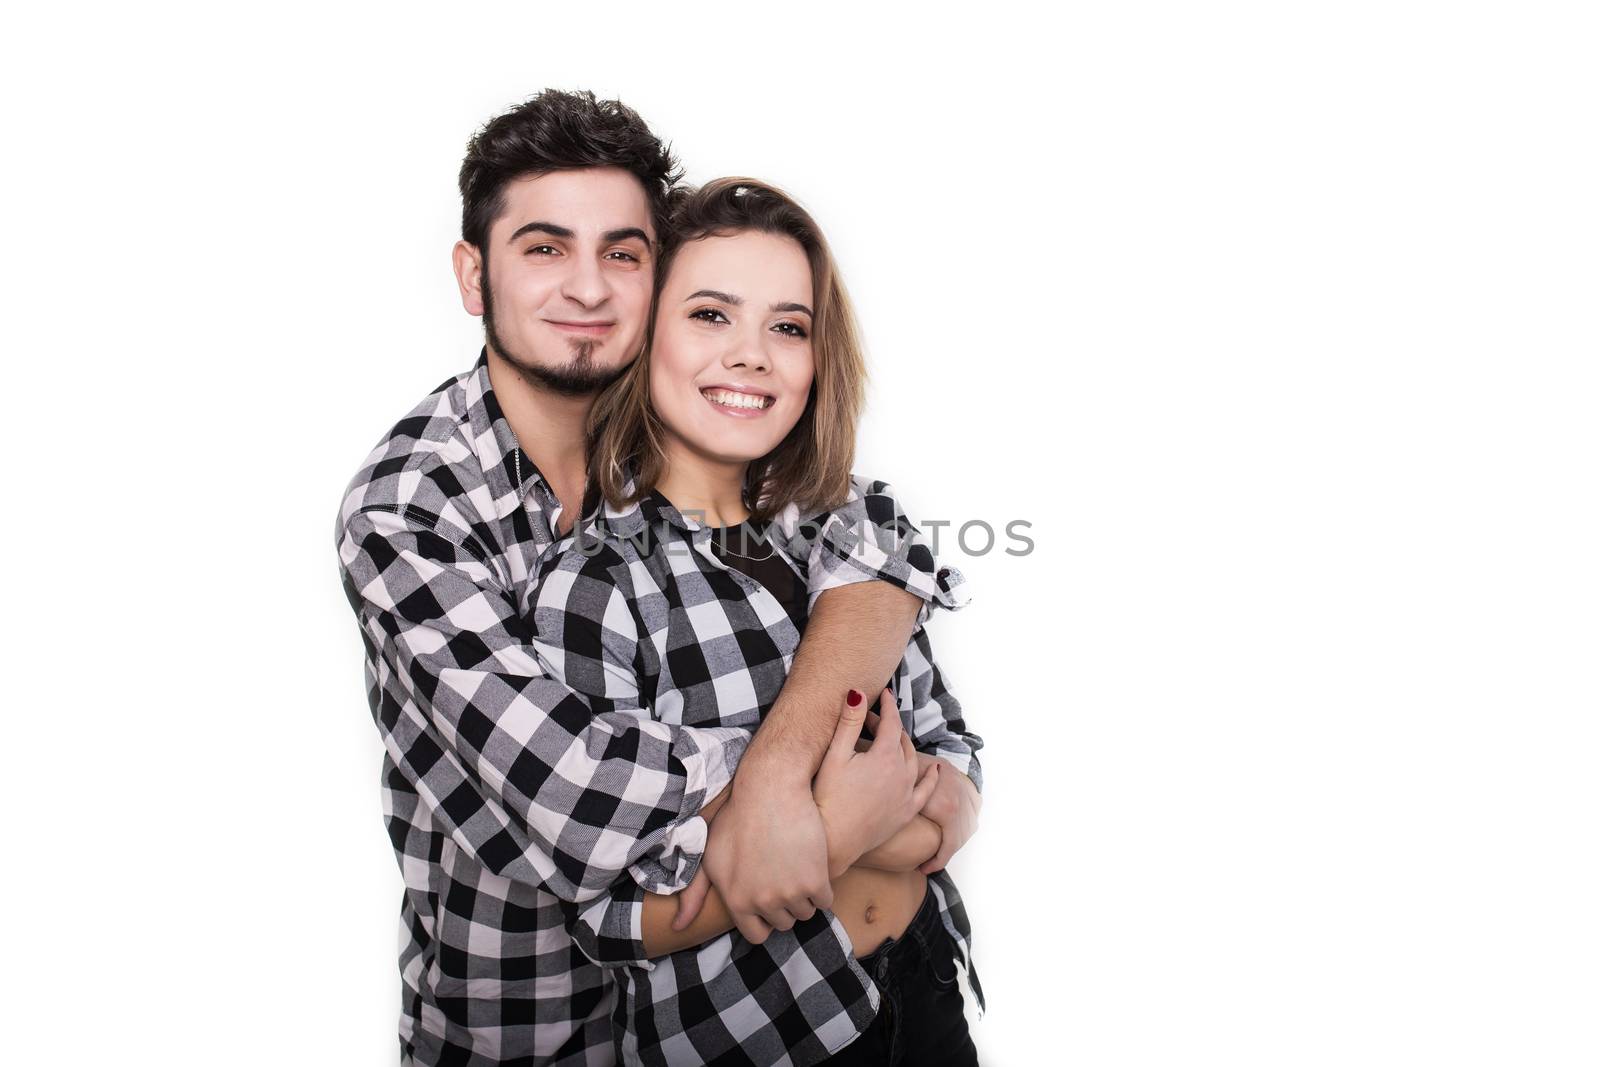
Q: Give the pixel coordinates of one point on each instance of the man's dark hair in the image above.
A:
(559, 130)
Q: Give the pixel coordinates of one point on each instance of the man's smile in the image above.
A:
(582, 328)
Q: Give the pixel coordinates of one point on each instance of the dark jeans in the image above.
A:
(920, 1019)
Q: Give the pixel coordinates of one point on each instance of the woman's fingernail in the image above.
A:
(853, 699)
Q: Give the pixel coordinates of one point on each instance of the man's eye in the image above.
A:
(793, 329)
(628, 256)
(708, 315)
(542, 250)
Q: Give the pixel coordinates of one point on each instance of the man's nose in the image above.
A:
(586, 283)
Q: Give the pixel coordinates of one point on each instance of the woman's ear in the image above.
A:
(468, 263)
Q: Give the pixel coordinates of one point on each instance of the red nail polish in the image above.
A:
(853, 699)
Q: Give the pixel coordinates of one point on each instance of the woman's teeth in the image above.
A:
(728, 398)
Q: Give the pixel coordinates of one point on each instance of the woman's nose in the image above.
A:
(748, 354)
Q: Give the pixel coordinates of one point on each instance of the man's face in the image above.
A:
(564, 284)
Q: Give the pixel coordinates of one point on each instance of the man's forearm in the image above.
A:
(855, 639)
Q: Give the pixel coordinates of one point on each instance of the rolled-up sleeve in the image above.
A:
(868, 538)
(609, 930)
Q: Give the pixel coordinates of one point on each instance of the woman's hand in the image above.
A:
(953, 809)
(866, 796)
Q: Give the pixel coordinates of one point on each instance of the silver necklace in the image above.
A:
(723, 542)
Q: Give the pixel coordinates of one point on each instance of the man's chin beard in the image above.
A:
(578, 378)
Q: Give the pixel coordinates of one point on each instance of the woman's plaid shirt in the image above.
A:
(506, 796)
(640, 616)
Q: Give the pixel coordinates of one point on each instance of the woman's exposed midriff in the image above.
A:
(871, 904)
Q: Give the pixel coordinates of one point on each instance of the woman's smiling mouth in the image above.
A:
(737, 402)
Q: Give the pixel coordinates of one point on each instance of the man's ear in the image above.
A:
(468, 262)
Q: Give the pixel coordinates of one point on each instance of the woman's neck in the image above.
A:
(701, 484)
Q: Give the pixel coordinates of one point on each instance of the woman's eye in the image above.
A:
(708, 315)
(793, 329)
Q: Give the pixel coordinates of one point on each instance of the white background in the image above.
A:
(1276, 321)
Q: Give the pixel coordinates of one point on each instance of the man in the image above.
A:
(507, 799)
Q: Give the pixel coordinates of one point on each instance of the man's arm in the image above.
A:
(769, 852)
(517, 768)
(854, 638)
(871, 578)
(938, 732)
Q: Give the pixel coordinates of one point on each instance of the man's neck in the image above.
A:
(548, 425)
(700, 484)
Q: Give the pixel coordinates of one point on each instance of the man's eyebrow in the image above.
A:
(726, 298)
(541, 227)
(624, 234)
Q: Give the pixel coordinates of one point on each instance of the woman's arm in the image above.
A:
(914, 843)
(659, 910)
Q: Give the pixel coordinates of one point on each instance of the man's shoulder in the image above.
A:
(424, 467)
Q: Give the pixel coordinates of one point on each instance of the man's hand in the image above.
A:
(767, 854)
(954, 805)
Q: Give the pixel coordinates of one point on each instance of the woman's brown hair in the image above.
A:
(811, 465)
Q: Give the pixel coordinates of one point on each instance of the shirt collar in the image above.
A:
(653, 509)
(650, 510)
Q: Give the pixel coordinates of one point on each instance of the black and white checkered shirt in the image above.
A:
(641, 616)
(505, 794)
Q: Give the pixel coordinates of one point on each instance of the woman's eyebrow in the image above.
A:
(726, 298)
(738, 301)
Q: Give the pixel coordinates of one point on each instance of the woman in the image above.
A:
(743, 411)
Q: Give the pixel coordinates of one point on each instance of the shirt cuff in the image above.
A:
(671, 865)
(610, 930)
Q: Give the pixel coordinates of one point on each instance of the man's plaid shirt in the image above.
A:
(642, 617)
(505, 794)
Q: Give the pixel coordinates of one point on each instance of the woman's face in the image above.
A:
(730, 359)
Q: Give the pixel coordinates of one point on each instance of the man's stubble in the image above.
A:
(578, 378)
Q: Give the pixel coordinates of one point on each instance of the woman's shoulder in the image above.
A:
(870, 506)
